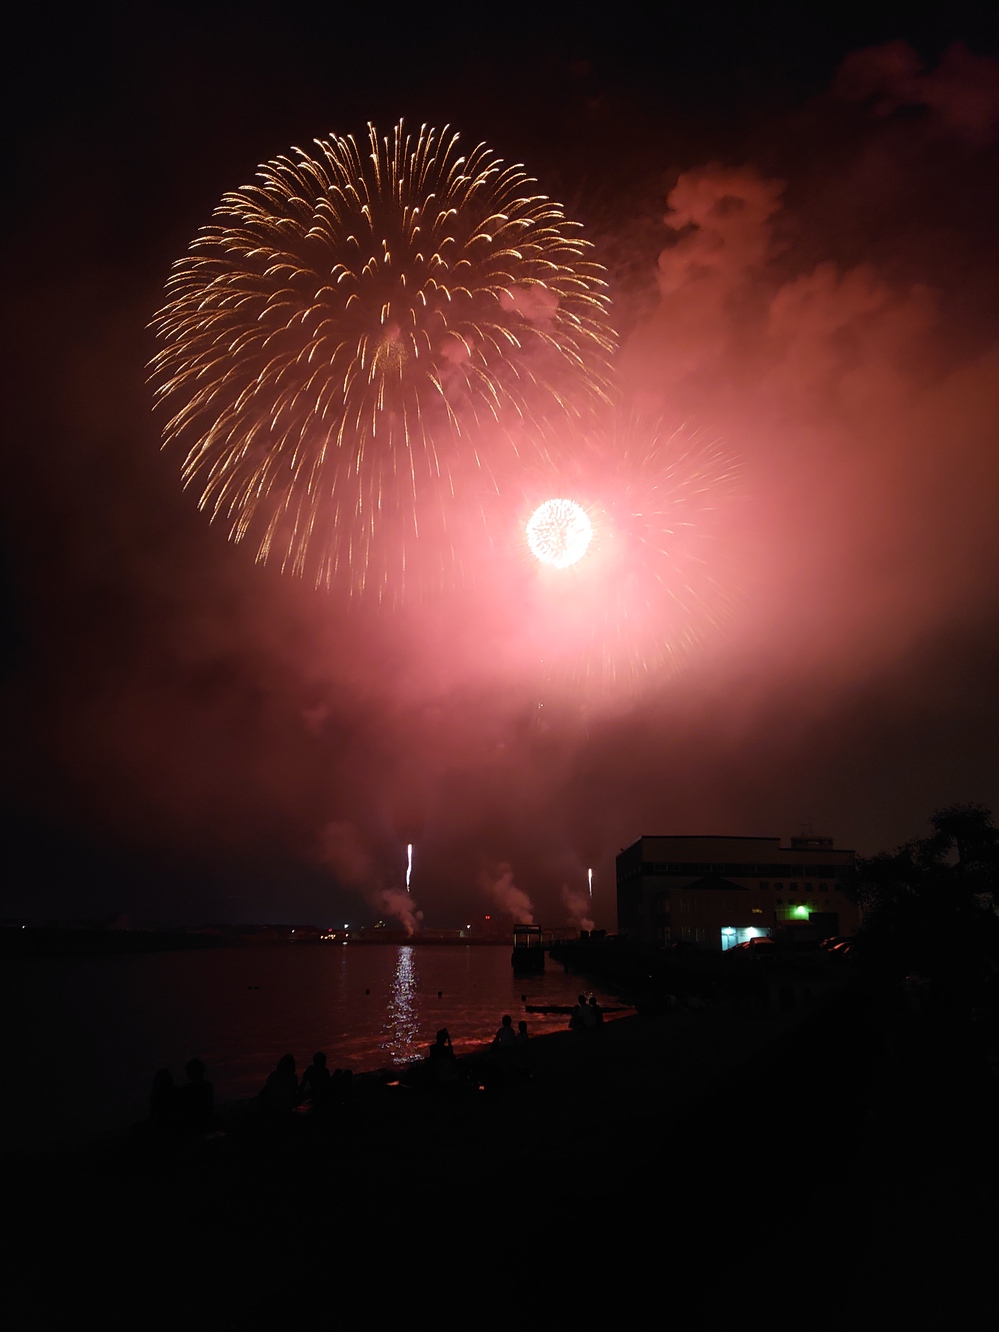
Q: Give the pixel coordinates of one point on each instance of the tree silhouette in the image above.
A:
(932, 905)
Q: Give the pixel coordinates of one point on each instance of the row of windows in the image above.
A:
(689, 903)
(692, 905)
(792, 889)
(742, 871)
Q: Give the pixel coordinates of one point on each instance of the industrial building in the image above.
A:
(716, 892)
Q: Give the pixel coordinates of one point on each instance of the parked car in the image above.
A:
(761, 947)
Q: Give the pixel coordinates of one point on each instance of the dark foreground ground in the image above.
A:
(721, 1164)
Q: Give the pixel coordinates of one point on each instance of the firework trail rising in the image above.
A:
(409, 864)
(589, 882)
(368, 336)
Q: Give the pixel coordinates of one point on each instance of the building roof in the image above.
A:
(714, 847)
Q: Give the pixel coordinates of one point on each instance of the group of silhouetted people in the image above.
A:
(319, 1089)
(504, 1054)
(187, 1111)
(508, 1039)
(186, 1114)
(509, 1049)
(586, 1015)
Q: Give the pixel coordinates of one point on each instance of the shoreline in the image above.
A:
(744, 1142)
(44, 943)
(624, 1059)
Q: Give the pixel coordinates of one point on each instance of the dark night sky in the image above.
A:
(188, 736)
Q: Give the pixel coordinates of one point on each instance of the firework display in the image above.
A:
(369, 339)
(654, 574)
(558, 532)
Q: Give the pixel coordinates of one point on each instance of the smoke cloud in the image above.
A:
(963, 90)
(397, 904)
(578, 905)
(499, 887)
(344, 853)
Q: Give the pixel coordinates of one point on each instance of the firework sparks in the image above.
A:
(558, 532)
(656, 580)
(367, 335)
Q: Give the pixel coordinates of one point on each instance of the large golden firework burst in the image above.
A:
(365, 338)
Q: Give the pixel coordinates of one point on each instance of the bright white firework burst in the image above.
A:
(559, 532)
(665, 556)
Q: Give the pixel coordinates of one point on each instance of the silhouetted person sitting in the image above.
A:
(281, 1094)
(506, 1037)
(443, 1065)
(195, 1101)
(520, 1042)
(316, 1081)
(341, 1086)
(597, 1011)
(582, 1015)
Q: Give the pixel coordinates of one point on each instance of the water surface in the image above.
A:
(86, 1035)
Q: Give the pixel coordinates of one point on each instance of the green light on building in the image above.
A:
(801, 912)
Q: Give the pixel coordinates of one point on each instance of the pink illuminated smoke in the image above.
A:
(558, 532)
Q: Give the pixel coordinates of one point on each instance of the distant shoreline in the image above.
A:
(41, 941)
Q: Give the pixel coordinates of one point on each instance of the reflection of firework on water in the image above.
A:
(366, 334)
(656, 579)
(558, 532)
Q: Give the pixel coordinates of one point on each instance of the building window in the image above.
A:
(780, 901)
(778, 887)
(764, 885)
